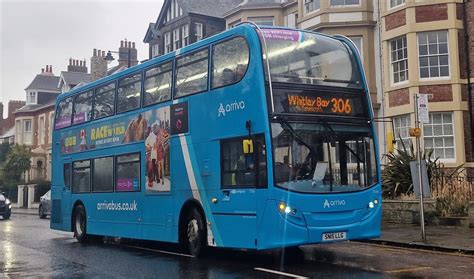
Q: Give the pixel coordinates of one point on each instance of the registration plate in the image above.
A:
(334, 236)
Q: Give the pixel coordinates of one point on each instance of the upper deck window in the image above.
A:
(303, 57)
(230, 60)
(128, 93)
(191, 73)
(63, 114)
(104, 101)
(83, 107)
(158, 81)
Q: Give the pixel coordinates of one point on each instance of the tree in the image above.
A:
(16, 163)
(4, 148)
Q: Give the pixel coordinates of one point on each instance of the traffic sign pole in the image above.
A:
(420, 106)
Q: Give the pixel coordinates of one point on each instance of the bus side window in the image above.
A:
(158, 81)
(81, 176)
(82, 107)
(239, 169)
(67, 175)
(129, 93)
(230, 60)
(191, 73)
(63, 114)
(104, 101)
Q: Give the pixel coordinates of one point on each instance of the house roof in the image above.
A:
(253, 4)
(74, 78)
(201, 7)
(44, 82)
(9, 133)
(33, 108)
(208, 7)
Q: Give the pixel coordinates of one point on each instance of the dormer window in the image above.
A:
(31, 98)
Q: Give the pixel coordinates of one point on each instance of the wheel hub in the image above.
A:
(193, 230)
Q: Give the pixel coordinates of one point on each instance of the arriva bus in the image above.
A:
(255, 138)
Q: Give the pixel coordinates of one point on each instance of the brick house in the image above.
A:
(183, 22)
(424, 52)
(7, 125)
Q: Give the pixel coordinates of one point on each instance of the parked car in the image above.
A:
(45, 205)
(5, 206)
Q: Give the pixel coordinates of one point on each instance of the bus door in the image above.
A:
(66, 191)
(235, 205)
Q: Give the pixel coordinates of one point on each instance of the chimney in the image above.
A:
(98, 64)
(76, 66)
(127, 48)
(1, 113)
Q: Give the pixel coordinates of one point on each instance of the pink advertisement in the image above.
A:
(281, 34)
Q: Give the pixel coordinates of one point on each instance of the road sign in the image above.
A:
(414, 169)
(423, 113)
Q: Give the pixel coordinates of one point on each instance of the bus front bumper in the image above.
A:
(279, 230)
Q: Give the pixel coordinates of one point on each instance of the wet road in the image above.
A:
(29, 248)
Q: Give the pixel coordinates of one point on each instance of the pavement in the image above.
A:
(438, 238)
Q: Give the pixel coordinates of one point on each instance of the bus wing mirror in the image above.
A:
(247, 146)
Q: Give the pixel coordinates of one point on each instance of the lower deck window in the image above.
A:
(128, 173)
(103, 175)
(81, 176)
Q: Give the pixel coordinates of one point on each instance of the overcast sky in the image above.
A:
(36, 33)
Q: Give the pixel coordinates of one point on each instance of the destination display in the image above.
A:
(324, 103)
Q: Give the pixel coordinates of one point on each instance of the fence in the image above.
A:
(453, 193)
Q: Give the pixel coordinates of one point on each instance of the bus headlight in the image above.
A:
(371, 205)
(284, 208)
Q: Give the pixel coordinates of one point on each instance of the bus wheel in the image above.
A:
(80, 224)
(195, 233)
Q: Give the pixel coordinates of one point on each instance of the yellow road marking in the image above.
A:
(409, 269)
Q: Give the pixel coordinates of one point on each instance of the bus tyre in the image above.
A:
(80, 224)
(41, 213)
(195, 232)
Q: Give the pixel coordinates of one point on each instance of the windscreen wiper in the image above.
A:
(293, 133)
(328, 128)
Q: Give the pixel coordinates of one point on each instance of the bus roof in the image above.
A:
(194, 46)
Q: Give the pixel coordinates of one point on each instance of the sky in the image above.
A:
(36, 33)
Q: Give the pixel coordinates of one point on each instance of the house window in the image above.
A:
(18, 132)
(168, 16)
(345, 2)
(198, 31)
(172, 9)
(358, 43)
(311, 5)
(396, 3)
(233, 24)
(185, 35)
(401, 125)
(263, 21)
(439, 135)
(176, 38)
(433, 54)
(31, 98)
(167, 42)
(290, 20)
(41, 130)
(155, 50)
(399, 59)
(27, 132)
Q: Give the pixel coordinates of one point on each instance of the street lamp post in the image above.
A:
(110, 58)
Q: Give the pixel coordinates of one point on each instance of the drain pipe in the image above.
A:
(468, 71)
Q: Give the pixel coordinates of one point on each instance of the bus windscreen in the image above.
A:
(308, 58)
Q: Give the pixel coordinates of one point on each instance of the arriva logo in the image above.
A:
(223, 109)
(329, 204)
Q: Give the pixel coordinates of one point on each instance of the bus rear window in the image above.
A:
(63, 114)
(83, 107)
(128, 93)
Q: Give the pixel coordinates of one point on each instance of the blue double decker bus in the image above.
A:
(255, 138)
